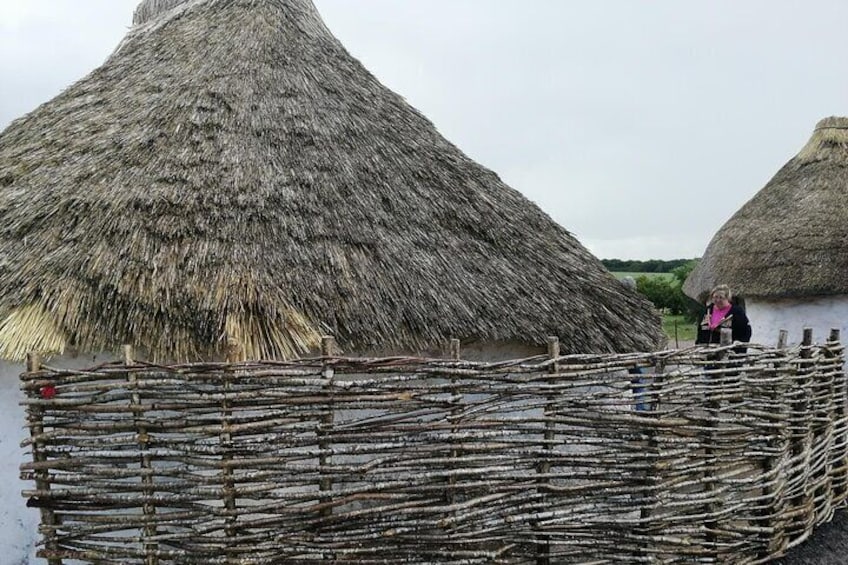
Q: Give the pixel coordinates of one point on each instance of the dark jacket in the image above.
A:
(736, 320)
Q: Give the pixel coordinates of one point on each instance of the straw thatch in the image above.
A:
(232, 177)
(791, 238)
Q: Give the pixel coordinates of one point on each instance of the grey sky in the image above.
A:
(640, 126)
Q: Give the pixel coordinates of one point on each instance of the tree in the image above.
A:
(659, 290)
(666, 293)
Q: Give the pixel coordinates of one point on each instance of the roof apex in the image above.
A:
(149, 10)
(829, 133)
(832, 122)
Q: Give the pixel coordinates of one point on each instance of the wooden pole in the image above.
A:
(149, 509)
(543, 555)
(779, 414)
(454, 355)
(712, 437)
(325, 484)
(802, 503)
(226, 439)
(654, 390)
(823, 412)
(835, 352)
(650, 487)
(42, 475)
(782, 339)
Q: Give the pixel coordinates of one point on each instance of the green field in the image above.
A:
(676, 328)
(621, 274)
(685, 330)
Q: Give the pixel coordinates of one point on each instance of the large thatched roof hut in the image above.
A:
(786, 249)
(232, 175)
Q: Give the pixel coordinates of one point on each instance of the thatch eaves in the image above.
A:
(232, 177)
(791, 238)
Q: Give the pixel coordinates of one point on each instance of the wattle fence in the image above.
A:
(697, 455)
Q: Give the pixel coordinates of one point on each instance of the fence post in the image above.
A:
(42, 475)
(822, 419)
(771, 515)
(454, 454)
(839, 460)
(143, 439)
(649, 483)
(234, 354)
(782, 338)
(543, 549)
(711, 439)
(654, 389)
(801, 501)
(325, 483)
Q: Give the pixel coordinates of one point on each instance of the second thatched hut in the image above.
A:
(786, 250)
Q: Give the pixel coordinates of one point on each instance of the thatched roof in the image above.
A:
(791, 238)
(232, 174)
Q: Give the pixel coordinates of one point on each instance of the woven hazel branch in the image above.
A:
(673, 456)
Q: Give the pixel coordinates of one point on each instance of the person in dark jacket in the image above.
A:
(720, 313)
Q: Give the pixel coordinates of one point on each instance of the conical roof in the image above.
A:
(232, 175)
(791, 238)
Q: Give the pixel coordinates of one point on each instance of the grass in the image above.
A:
(685, 330)
(676, 327)
(621, 274)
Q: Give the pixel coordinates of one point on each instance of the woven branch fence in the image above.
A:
(703, 455)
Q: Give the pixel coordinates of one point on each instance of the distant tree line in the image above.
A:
(649, 266)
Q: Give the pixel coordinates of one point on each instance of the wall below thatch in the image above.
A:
(821, 314)
(19, 531)
(489, 351)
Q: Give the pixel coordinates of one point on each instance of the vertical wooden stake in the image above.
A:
(823, 412)
(726, 337)
(454, 453)
(782, 338)
(454, 349)
(42, 476)
(325, 485)
(234, 354)
(543, 549)
(801, 505)
(149, 508)
(778, 443)
(654, 392)
(713, 410)
(835, 353)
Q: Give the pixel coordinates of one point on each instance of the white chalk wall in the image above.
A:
(475, 351)
(18, 524)
(768, 317)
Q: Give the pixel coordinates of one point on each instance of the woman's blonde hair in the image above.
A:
(721, 289)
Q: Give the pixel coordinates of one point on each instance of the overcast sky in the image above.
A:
(640, 126)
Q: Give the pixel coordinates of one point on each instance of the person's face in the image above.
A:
(720, 300)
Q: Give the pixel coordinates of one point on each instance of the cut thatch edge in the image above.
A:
(294, 337)
(30, 328)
